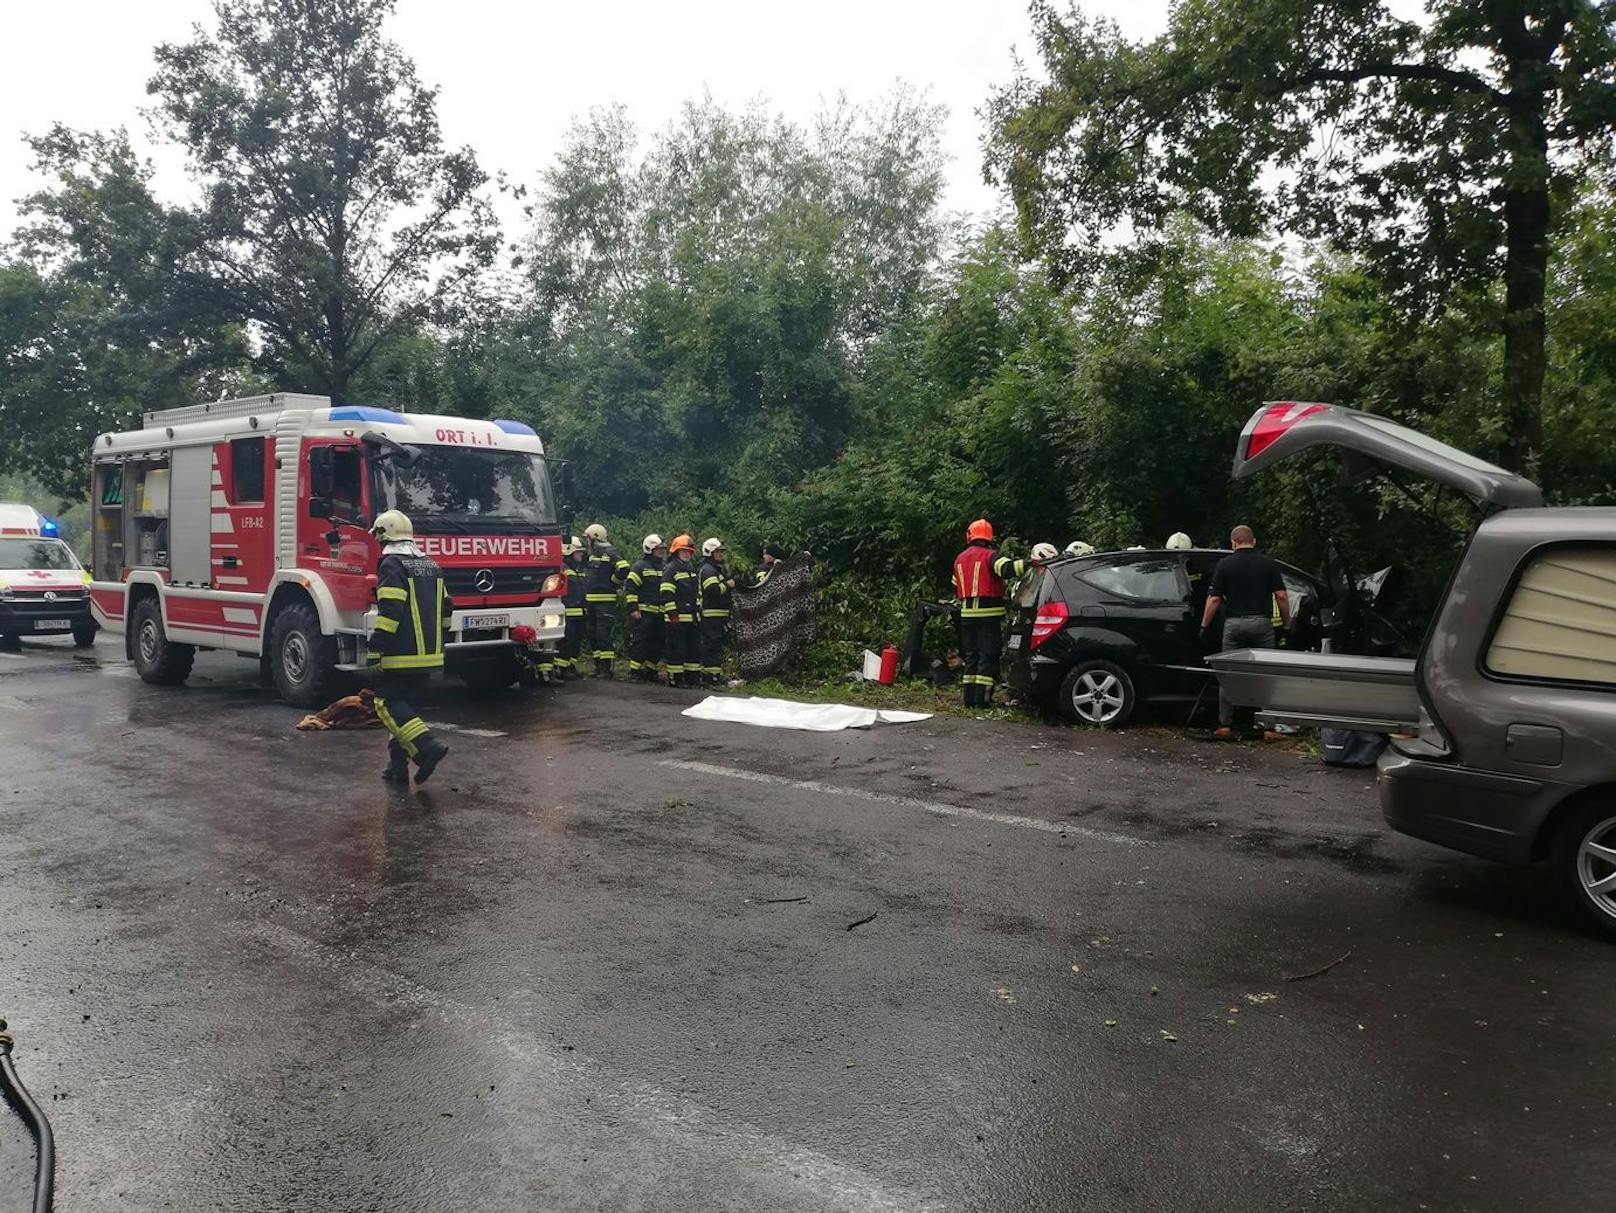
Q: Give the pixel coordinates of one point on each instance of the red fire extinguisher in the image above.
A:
(889, 666)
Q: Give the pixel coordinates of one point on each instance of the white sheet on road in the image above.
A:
(786, 714)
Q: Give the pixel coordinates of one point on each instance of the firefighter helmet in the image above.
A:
(652, 542)
(1178, 541)
(1078, 548)
(1042, 552)
(980, 529)
(709, 546)
(392, 526)
(572, 545)
(682, 543)
(595, 533)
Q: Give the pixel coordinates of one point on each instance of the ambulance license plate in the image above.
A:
(53, 625)
(480, 623)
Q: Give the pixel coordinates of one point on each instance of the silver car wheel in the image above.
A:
(1097, 697)
(295, 657)
(148, 641)
(1596, 865)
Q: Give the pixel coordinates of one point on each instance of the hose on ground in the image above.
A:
(44, 1142)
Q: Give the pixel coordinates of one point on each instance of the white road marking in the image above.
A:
(935, 807)
(694, 1128)
(460, 728)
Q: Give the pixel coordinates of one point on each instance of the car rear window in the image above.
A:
(1153, 580)
(1029, 585)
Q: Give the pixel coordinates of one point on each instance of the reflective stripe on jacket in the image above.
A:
(979, 577)
(607, 571)
(573, 597)
(681, 595)
(714, 590)
(413, 611)
(644, 589)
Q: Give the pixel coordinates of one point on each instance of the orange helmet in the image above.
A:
(980, 529)
(682, 541)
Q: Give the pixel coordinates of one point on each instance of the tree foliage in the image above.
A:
(333, 215)
(1441, 148)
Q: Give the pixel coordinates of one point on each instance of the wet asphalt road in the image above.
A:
(604, 962)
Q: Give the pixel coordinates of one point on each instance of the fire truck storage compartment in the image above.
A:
(190, 515)
(145, 506)
(107, 547)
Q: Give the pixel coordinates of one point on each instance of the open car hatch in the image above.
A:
(1370, 445)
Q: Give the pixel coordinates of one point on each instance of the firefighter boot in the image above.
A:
(429, 751)
(398, 764)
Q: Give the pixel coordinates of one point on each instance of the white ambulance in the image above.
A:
(243, 525)
(44, 591)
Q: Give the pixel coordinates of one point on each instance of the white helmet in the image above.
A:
(595, 533)
(392, 526)
(571, 544)
(1178, 541)
(651, 543)
(1042, 552)
(1078, 548)
(709, 546)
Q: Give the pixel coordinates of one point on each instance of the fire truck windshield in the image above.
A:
(36, 554)
(457, 485)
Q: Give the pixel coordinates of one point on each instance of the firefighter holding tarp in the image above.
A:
(980, 574)
(413, 611)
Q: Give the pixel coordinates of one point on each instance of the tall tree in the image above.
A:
(334, 215)
(1443, 148)
(96, 323)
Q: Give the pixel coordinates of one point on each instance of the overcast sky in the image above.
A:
(514, 72)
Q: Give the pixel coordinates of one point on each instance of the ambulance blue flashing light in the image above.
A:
(49, 528)
(515, 427)
(364, 412)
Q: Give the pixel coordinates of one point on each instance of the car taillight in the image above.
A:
(553, 584)
(1279, 418)
(1050, 619)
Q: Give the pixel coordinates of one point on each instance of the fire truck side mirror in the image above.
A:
(322, 477)
(319, 507)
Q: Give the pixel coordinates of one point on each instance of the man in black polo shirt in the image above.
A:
(1247, 585)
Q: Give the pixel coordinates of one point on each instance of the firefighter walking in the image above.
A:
(607, 570)
(979, 576)
(572, 603)
(681, 596)
(413, 611)
(716, 585)
(643, 597)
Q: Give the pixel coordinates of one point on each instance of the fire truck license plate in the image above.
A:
(481, 622)
(52, 625)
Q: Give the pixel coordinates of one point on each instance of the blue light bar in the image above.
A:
(49, 528)
(516, 427)
(363, 412)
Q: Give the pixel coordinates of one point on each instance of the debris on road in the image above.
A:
(1260, 999)
(1323, 969)
(782, 901)
(862, 921)
(349, 712)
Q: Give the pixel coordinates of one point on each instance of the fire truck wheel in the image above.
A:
(302, 658)
(490, 675)
(157, 658)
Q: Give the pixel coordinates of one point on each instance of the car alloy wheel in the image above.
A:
(1098, 697)
(1596, 866)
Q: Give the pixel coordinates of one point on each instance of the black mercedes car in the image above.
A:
(1096, 636)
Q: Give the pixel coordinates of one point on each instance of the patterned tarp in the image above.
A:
(773, 622)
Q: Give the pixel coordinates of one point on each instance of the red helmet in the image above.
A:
(980, 529)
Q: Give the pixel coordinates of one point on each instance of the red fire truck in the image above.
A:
(242, 525)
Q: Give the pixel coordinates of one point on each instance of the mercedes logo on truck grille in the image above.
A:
(483, 580)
